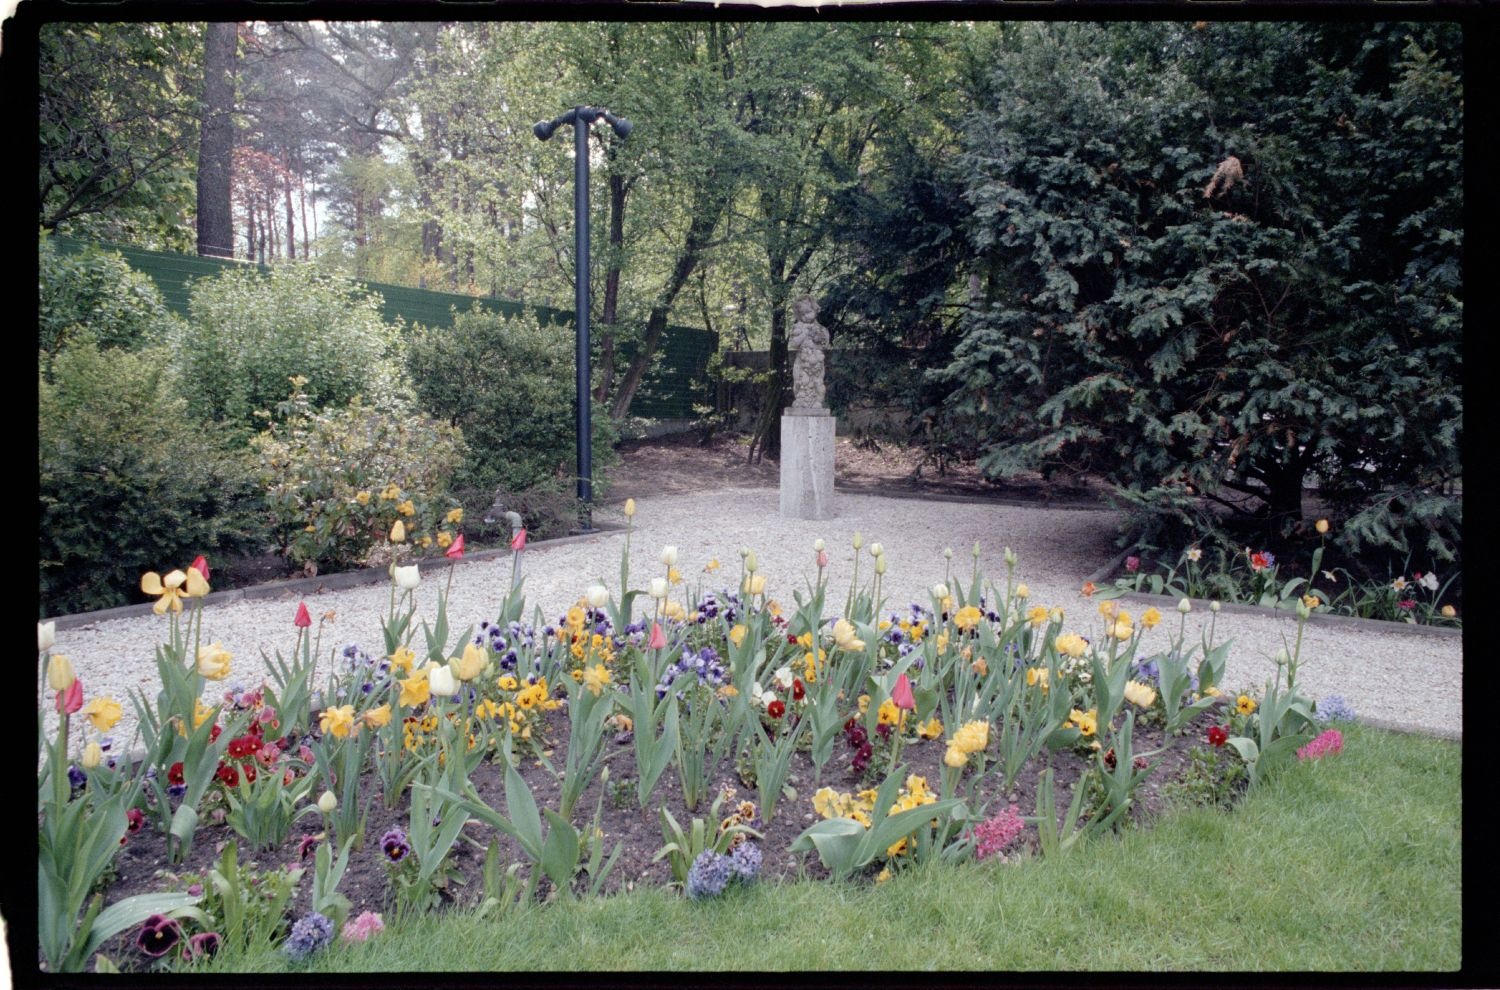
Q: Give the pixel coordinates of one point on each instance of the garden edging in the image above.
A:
(293, 587)
(1349, 621)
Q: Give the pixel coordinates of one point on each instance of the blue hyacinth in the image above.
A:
(309, 934)
(1334, 709)
(745, 859)
(709, 875)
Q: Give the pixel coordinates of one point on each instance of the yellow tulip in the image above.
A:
(398, 532)
(102, 713)
(60, 675)
(472, 663)
(213, 661)
(93, 755)
(378, 718)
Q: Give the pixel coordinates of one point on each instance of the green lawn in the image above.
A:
(1349, 863)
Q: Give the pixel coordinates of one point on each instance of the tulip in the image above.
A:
(328, 802)
(1213, 606)
(456, 550)
(939, 591)
(822, 558)
(398, 532)
(201, 566)
(880, 564)
(755, 584)
(518, 542)
(859, 541)
(1010, 556)
(408, 577)
(751, 563)
(441, 682)
(60, 675)
(659, 587)
(1184, 606)
(629, 507)
(976, 550)
(669, 556)
(658, 638)
(597, 596)
(93, 755)
(70, 699)
(901, 694)
(947, 553)
(876, 549)
(213, 662)
(471, 664)
(818, 545)
(46, 635)
(1023, 592)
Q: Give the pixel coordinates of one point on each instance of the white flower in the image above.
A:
(783, 678)
(876, 549)
(859, 541)
(442, 682)
(818, 545)
(659, 587)
(1429, 581)
(940, 591)
(751, 564)
(597, 596)
(46, 635)
(948, 553)
(1399, 584)
(761, 697)
(880, 564)
(1213, 606)
(1184, 606)
(408, 577)
(328, 802)
(669, 556)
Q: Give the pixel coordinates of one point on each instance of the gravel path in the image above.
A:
(1391, 676)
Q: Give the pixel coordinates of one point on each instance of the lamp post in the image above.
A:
(582, 118)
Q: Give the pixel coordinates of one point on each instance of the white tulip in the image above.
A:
(442, 682)
(46, 635)
(669, 556)
(659, 587)
(408, 577)
(597, 596)
(818, 545)
(876, 549)
(328, 802)
(1184, 606)
(940, 591)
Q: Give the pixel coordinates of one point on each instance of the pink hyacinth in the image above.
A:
(1331, 741)
(992, 836)
(361, 928)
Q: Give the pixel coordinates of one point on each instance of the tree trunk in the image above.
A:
(767, 436)
(216, 142)
(291, 215)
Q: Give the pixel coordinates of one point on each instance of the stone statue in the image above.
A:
(808, 340)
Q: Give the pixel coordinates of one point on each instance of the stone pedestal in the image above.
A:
(807, 464)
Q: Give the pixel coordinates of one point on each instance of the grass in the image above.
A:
(1348, 863)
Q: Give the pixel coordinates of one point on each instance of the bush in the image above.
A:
(250, 333)
(94, 295)
(508, 384)
(128, 482)
(337, 480)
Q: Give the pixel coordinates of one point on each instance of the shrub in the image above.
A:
(508, 384)
(94, 295)
(336, 480)
(128, 482)
(250, 333)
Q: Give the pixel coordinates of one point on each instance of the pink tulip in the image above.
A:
(822, 559)
(901, 694)
(70, 700)
(201, 566)
(519, 543)
(658, 638)
(304, 618)
(457, 549)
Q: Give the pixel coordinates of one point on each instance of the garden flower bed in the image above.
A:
(655, 735)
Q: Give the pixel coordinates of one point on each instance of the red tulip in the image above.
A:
(71, 700)
(201, 566)
(456, 550)
(519, 543)
(658, 638)
(901, 694)
(304, 618)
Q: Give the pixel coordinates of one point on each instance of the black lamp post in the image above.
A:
(582, 118)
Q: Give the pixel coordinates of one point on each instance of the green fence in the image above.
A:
(668, 391)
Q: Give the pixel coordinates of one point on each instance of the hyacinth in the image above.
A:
(995, 834)
(361, 928)
(311, 932)
(1328, 743)
(1334, 709)
(709, 875)
(745, 860)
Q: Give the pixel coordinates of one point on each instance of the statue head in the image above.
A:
(806, 309)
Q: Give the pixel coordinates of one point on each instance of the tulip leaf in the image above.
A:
(521, 807)
(560, 850)
(130, 912)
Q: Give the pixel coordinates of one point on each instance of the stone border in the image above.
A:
(295, 587)
(1351, 622)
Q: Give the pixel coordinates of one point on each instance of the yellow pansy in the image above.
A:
(595, 678)
(1244, 704)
